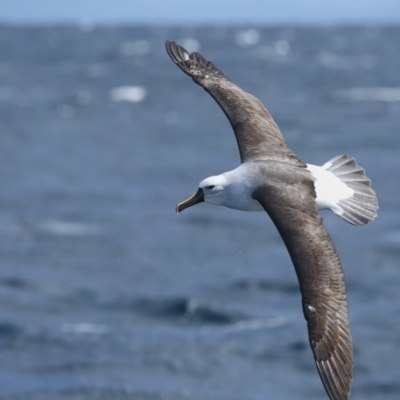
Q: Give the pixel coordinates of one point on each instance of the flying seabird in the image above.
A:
(271, 178)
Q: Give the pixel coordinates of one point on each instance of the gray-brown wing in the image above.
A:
(291, 207)
(256, 132)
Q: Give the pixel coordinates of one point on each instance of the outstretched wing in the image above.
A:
(257, 134)
(291, 206)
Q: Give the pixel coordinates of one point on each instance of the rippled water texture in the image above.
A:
(105, 293)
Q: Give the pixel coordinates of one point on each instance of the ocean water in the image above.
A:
(104, 292)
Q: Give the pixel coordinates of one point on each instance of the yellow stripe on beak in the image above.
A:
(194, 199)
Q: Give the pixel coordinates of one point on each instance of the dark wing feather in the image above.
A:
(291, 205)
(257, 134)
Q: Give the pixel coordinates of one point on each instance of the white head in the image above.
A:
(211, 190)
(232, 189)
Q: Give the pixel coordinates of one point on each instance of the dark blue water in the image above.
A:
(104, 292)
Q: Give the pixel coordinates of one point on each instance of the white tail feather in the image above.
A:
(360, 205)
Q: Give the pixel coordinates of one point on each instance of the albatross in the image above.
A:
(272, 178)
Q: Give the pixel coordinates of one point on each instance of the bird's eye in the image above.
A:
(210, 187)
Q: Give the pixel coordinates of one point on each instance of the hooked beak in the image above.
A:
(196, 198)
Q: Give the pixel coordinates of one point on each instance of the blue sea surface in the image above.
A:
(104, 292)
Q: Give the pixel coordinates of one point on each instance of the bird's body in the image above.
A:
(271, 178)
(239, 185)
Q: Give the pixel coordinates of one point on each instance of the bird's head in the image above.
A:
(211, 190)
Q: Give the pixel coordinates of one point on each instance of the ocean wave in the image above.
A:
(378, 94)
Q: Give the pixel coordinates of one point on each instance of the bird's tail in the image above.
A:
(362, 206)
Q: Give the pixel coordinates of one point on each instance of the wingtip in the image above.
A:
(169, 47)
(336, 374)
(176, 52)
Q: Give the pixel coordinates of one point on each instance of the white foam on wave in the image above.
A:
(56, 227)
(87, 25)
(270, 323)
(84, 328)
(336, 61)
(282, 47)
(378, 94)
(247, 38)
(278, 51)
(132, 94)
(190, 44)
(66, 228)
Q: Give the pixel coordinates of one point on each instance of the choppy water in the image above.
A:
(105, 293)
